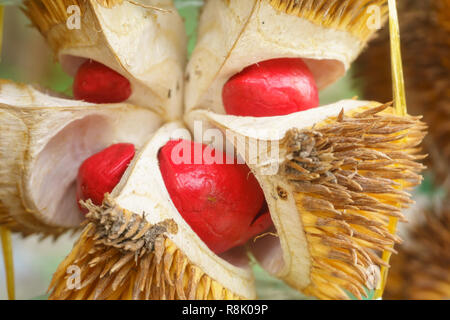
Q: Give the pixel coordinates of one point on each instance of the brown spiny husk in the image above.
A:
(349, 175)
(422, 268)
(352, 15)
(425, 32)
(122, 256)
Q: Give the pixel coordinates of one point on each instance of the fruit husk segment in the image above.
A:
(121, 35)
(346, 177)
(156, 255)
(349, 178)
(123, 257)
(327, 35)
(5, 234)
(421, 270)
(30, 121)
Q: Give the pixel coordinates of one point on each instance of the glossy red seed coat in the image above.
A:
(219, 201)
(271, 88)
(96, 83)
(100, 173)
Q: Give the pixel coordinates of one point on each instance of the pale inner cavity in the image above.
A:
(53, 178)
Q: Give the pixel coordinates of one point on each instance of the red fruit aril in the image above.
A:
(219, 201)
(100, 173)
(96, 83)
(271, 88)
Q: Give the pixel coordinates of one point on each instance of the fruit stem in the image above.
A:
(8, 259)
(398, 84)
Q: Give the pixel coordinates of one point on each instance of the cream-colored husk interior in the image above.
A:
(238, 34)
(142, 190)
(44, 141)
(285, 256)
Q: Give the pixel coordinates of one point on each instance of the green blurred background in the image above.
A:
(26, 58)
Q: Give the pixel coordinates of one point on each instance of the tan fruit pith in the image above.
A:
(44, 141)
(144, 41)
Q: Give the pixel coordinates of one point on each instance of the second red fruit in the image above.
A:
(223, 203)
(96, 83)
(271, 88)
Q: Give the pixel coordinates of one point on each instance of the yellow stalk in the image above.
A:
(400, 108)
(8, 258)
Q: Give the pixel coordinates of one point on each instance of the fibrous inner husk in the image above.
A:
(137, 245)
(340, 174)
(44, 141)
(145, 45)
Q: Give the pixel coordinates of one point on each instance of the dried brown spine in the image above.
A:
(349, 175)
(122, 256)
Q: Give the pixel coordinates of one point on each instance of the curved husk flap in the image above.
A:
(421, 270)
(425, 29)
(234, 34)
(341, 172)
(44, 141)
(143, 40)
(137, 246)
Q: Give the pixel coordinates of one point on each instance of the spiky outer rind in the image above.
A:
(350, 174)
(422, 268)
(121, 256)
(353, 16)
(425, 33)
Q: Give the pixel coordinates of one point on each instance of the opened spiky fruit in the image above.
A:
(144, 42)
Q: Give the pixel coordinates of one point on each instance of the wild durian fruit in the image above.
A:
(44, 139)
(421, 269)
(140, 40)
(425, 46)
(334, 177)
(136, 245)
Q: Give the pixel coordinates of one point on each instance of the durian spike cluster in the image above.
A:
(349, 177)
(421, 270)
(425, 48)
(123, 257)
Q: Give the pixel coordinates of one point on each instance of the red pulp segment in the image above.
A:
(100, 173)
(96, 83)
(271, 88)
(223, 203)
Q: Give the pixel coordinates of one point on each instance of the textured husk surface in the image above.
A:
(350, 174)
(121, 256)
